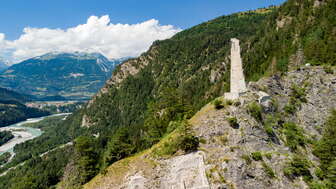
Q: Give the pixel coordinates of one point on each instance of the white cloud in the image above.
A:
(97, 35)
(2, 41)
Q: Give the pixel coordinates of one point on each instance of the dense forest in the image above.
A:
(13, 111)
(6, 94)
(5, 136)
(41, 171)
(182, 75)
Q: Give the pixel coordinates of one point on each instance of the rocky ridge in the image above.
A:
(225, 157)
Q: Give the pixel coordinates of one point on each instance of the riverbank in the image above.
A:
(22, 133)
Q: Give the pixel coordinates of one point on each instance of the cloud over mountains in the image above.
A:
(98, 34)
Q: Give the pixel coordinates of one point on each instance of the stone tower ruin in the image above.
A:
(237, 79)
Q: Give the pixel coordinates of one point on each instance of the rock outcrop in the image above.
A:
(225, 157)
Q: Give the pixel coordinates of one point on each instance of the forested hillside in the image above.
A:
(149, 97)
(5, 136)
(178, 76)
(13, 110)
(6, 94)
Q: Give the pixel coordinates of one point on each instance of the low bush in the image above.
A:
(181, 139)
(328, 69)
(299, 93)
(292, 105)
(189, 143)
(299, 166)
(270, 122)
(268, 156)
(256, 156)
(255, 110)
(218, 104)
(298, 96)
(294, 136)
(268, 170)
(233, 122)
(228, 102)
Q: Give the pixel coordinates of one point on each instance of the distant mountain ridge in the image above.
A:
(75, 75)
(3, 65)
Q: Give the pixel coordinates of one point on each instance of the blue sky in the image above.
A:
(31, 28)
(17, 14)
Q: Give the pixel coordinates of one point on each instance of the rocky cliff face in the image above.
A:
(128, 68)
(237, 150)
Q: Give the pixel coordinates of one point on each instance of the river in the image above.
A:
(22, 133)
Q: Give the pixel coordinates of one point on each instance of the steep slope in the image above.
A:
(71, 75)
(168, 83)
(194, 62)
(250, 152)
(299, 32)
(178, 76)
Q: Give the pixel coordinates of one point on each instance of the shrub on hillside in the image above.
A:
(299, 93)
(218, 104)
(268, 170)
(256, 156)
(294, 136)
(325, 150)
(298, 96)
(189, 143)
(233, 122)
(181, 139)
(299, 166)
(255, 110)
(328, 69)
(291, 107)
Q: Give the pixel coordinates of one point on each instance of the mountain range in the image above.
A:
(59, 75)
